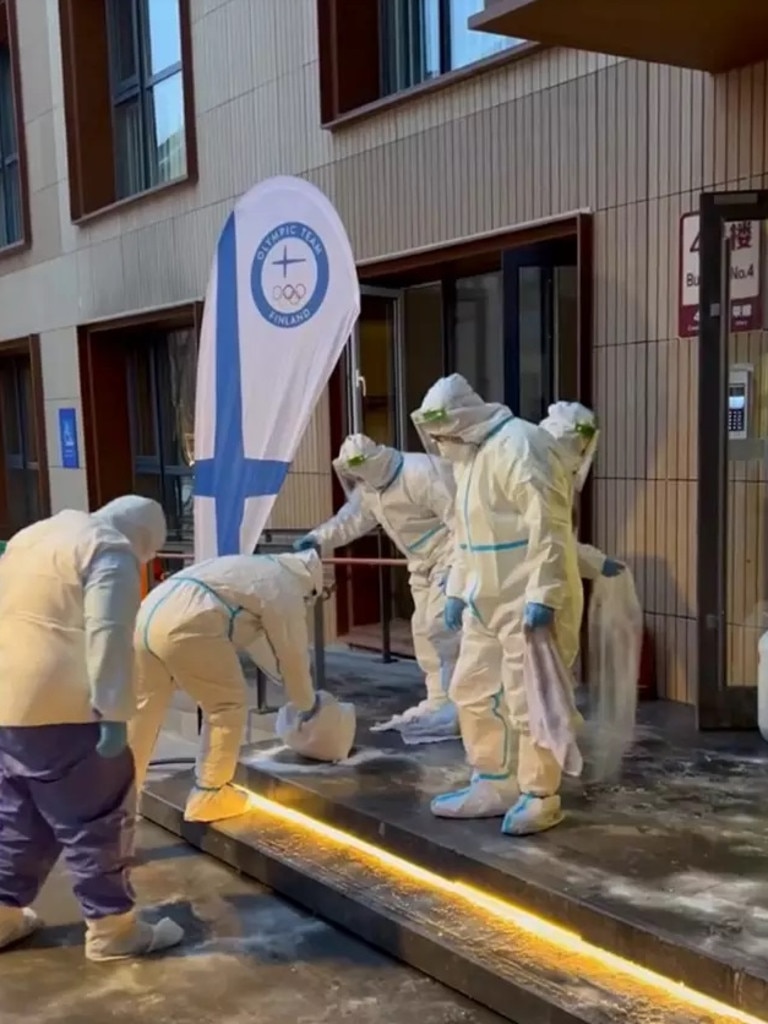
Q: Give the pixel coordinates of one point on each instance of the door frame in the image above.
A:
(356, 381)
(718, 706)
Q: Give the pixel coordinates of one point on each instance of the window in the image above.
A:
(19, 444)
(422, 39)
(161, 400)
(373, 49)
(147, 93)
(12, 213)
(128, 98)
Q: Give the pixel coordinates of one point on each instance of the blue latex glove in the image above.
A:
(305, 543)
(611, 569)
(537, 616)
(454, 613)
(113, 739)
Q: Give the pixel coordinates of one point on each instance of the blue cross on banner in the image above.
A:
(229, 477)
(281, 303)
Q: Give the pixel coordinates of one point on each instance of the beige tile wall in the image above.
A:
(556, 132)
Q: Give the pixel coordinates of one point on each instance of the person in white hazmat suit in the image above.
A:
(411, 496)
(188, 634)
(69, 594)
(516, 569)
(574, 427)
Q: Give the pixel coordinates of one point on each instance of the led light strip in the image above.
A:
(509, 913)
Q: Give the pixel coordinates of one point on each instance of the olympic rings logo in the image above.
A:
(292, 294)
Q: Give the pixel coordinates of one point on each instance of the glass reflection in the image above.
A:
(169, 156)
(164, 31)
(468, 46)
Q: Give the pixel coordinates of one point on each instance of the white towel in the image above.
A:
(551, 707)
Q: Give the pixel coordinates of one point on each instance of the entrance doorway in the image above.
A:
(510, 313)
(385, 380)
(733, 458)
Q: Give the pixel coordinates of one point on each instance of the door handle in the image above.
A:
(361, 385)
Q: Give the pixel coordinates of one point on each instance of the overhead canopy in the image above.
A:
(709, 35)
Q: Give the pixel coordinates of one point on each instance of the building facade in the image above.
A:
(515, 211)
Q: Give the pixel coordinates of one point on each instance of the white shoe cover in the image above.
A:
(532, 814)
(484, 797)
(328, 736)
(17, 924)
(430, 724)
(208, 805)
(124, 936)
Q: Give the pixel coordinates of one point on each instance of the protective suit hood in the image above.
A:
(306, 567)
(362, 460)
(574, 427)
(140, 520)
(453, 409)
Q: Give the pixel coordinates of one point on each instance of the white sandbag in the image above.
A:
(552, 710)
(328, 736)
(615, 646)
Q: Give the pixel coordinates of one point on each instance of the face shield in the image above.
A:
(434, 430)
(363, 463)
(346, 475)
(454, 421)
(590, 434)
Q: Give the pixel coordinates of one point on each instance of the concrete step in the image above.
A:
(504, 958)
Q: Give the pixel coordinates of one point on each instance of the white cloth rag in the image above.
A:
(552, 709)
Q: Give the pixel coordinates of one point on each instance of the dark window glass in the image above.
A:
(161, 388)
(478, 334)
(19, 439)
(10, 185)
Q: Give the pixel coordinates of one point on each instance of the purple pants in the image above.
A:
(57, 795)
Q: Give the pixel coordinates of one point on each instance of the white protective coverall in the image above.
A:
(515, 547)
(69, 594)
(188, 634)
(411, 496)
(574, 427)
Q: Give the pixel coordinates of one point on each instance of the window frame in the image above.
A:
(9, 42)
(88, 94)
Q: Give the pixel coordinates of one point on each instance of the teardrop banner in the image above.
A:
(282, 299)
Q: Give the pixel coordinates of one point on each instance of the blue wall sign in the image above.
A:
(70, 457)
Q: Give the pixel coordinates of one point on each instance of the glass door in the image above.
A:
(541, 312)
(378, 409)
(376, 368)
(733, 453)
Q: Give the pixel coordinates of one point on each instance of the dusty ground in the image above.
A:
(249, 957)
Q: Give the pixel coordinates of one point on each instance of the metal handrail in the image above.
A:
(366, 561)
